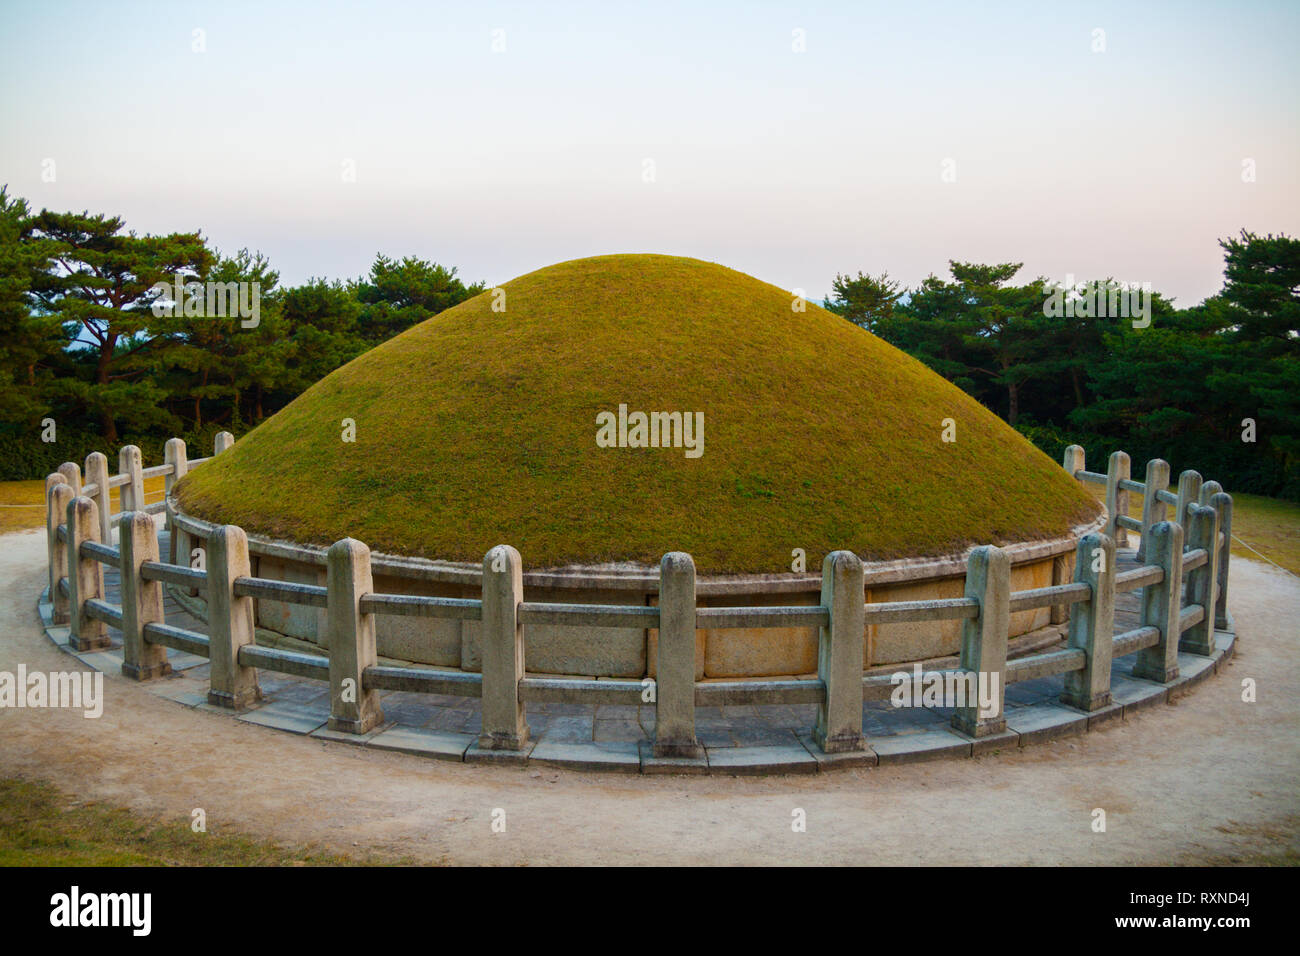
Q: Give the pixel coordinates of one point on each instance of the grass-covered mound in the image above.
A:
(478, 427)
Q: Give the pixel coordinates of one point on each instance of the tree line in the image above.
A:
(95, 351)
(91, 344)
(1214, 387)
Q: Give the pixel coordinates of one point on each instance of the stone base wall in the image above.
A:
(631, 652)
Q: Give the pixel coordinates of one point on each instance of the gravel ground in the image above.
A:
(1209, 778)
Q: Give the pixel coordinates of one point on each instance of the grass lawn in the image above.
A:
(1269, 526)
(21, 504)
(41, 826)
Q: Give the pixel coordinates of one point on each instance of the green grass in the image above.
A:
(22, 505)
(1270, 527)
(477, 428)
(41, 826)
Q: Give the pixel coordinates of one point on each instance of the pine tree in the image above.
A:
(99, 282)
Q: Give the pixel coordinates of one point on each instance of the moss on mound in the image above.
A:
(478, 427)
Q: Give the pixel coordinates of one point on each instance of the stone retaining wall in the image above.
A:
(631, 652)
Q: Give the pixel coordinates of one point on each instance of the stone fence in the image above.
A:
(1181, 572)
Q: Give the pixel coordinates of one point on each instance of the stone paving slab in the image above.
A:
(184, 660)
(632, 712)
(210, 708)
(508, 758)
(439, 744)
(1025, 693)
(926, 745)
(105, 661)
(621, 757)
(283, 716)
(343, 737)
(621, 731)
(1134, 693)
(182, 691)
(1045, 721)
(866, 757)
(1192, 669)
(563, 729)
(1104, 715)
(882, 719)
(782, 758)
(989, 743)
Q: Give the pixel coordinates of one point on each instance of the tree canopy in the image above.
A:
(91, 338)
(1213, 386)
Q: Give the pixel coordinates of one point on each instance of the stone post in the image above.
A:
(1208, 491)
(1073, 461)
(675, 663)
(129, 463)
(1118, 470)
(350, 638)
(1092, 624)
(1162, 603)
(1222, 503)
(85, 578)
(72, 475)
(142, 601)
(1153, 509)
(230, 620)
(174, 454)
(502, 648)
(1203, 582)
(984, 642)
(52, 520)
(223, 441)
(97, 475)
(57, 496)
(1189, 490)
(841, 648)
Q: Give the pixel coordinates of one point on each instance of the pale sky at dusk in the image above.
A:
(788, 165)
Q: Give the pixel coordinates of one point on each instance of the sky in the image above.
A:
(791, 141)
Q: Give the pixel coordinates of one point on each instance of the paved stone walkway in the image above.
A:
(737, 740)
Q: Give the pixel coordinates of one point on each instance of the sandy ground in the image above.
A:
(1209, 778)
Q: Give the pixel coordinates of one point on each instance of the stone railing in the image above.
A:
(1193, 546)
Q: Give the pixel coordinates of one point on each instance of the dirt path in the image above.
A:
(1209, 778)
